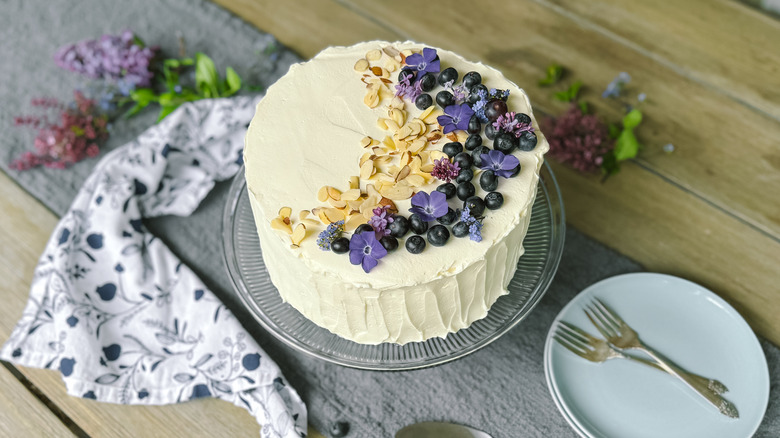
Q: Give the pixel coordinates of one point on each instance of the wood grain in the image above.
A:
(22, 414)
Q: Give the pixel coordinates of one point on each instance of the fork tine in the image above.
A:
(608, 312)
(604, 317)
(573, 340)
(574, 331)
(571, 347)
(596, 322)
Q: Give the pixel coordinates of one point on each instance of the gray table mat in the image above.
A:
(500, 389)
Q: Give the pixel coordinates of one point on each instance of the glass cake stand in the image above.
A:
(535, 270)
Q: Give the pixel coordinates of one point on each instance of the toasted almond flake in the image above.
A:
(406, 52)
(427, 168)
(354, 182)
(416, 163)
(322, 194)
(367, 169)
(371, 190)
(371, 99)
(365, 142)
(406, 158)
(354, 221)
(337, 203)
(366, 209)
(363, 158)
(373, 55)
(392, 65)
(434, 137)
(398, 116)
(452, 136)
(385, 74)
(392, 125)
(285, 212)
(398, 102)
(404, 131)
(355, 205)
(403, 173)
(361, 65)
(298, 235)
(386, 202)
(381, 124)
(278, 224)
(311, 223)
(430, 118)
(417, 146)
(386, 81)
(303, 214)
(350, 195)
(391, 51)
(377, 71)
(426, 111)
(437, 155)
(415, 180)
(398, 192)
(385, 93)
(334, 193)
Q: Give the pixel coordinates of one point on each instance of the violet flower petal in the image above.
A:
(369, 263)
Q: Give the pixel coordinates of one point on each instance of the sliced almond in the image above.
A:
(285, 212)
(363, 158)
(386, 202)
(392, 65)
(334, 214)
(365, 142)
(406, 52)
(426, 168)
(303, 214)
(337, 203)
(355, 205)
(334, 193)
(415, 180)
(310, 223)
(398, 116)
(371, 99)
(403, 173)
(437, 155)
(426, 111)
(431, 117)
(392, 125)
(361, 65)
(371, 190)
(298, 235)
(418, 146)
(373, 55)
(398, 102)
(354, 221)
(381, 124)
(398, 193)
(377, 71)
(280, 225)
(354, 182)
(322, 194)
(391, 51)
(350, 195)
(367, 169)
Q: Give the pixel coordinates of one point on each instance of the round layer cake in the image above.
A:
(346, 139)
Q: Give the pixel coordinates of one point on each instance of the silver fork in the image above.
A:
(623, 337)
(598, 350)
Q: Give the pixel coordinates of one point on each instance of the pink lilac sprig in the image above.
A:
(381, 220)
(508, 123)
(458, 92)
(577, 139)
(78, 135)
(475, 224)
(445, 170)
(408, 89)
(117, 58)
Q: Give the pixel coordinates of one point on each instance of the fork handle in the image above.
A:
(724, 406)
(713, 385)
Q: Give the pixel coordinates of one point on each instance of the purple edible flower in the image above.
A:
(455, 117)
(331, 233)
(508, 123)
(445, 170)
(405, 88)
(365, 250)
(475, 225)
(380, 220)
(427, 62)
(429, 207)
(501, 164)
(613, 88)
(458, 92)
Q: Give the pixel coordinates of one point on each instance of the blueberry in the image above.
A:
(449, 218)
(494, 200)
(339, 429)
(527, 141)
(428, 82)
(475, 126)
(340, 245)
(415, 244)
(515, 171)
(471, 78)
(406, 73)
(438, 235)
(461, 229)
(490, 131)
(448, 189)
(390, 243)
(445, 99)
(417, 224)
(452, 148)
(505, 142)
(523, 118)
(464, 160)
(447, 75)
(494, 109)
(399, 227)
(476, 205)
(476, 155)
(473, 141)
(465, 175)
(363, 227)
(488, 181)
(466, 190)
(423, 101)
(474, 92)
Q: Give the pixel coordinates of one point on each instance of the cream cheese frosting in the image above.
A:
(306, 133)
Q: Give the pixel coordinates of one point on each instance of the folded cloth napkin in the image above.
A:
(115, 310)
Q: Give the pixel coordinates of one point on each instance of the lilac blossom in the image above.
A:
(508, 123)
(445, 170)
(406, 88)
(381, 220)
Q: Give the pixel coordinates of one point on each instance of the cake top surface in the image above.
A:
(332, 117)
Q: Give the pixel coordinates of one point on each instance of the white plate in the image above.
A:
(688, 324)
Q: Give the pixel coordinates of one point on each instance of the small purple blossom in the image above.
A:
(455, 117)
(479, 106)
(508, 123)
(365, 250)
(331, 233)
(381, 220)
(427, 62)
(405, 88)
(616, 86)
(475, 225)
(445, 170)
(429, 207)
(501, 164)
(458, 92)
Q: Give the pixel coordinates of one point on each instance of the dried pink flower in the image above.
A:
(577, 139)
(445, 170)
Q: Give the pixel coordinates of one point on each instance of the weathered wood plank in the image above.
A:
(22, 414)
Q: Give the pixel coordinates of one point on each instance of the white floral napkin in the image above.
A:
(115, 310)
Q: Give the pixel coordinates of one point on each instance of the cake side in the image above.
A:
(293, 149)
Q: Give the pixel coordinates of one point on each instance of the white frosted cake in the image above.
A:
(392, 193)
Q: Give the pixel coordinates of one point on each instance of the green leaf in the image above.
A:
(632, 119)
(253, 88)
(570, 94)
(609, 166)
(167, 99)
(583, 106)
(186, 61)
(206, 78)
(143, 96)
(554, 73)
(172, 63)
(233, 81)
(135, 109)
(626, 145)
(614, 130)
(138, 42)
(165, 111)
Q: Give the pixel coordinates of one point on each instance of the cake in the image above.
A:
(347, 163)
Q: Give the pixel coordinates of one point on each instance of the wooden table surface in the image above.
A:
(709, 212)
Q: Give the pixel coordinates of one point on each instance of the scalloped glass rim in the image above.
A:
(536, 269)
